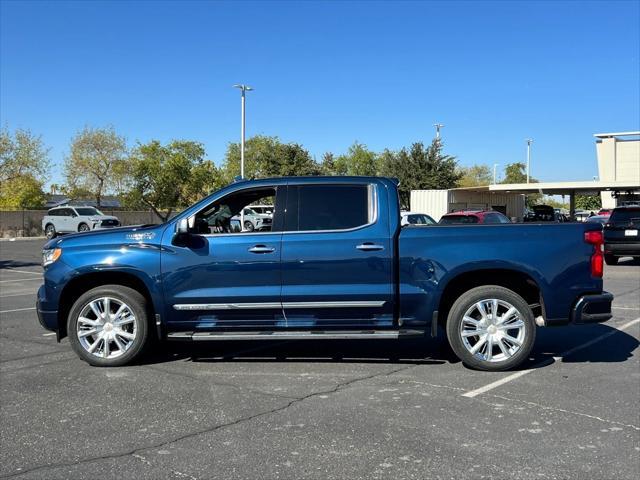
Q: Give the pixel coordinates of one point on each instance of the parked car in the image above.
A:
(544, 213)
(263, 209)
(324, 272)
(621, 237)
(254, 220)
(473, 217)
(412, 218)
(601, 219)
(68, 219)
(605, 212)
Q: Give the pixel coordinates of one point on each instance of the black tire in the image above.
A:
(138, 306)
(248, 226)
(50, 231)
(455, 326)
(611, 259)
(83, 227)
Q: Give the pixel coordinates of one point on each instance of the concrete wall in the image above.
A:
(28, 223)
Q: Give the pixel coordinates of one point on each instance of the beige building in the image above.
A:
(619, 162)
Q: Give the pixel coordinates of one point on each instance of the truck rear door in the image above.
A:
(337, 256)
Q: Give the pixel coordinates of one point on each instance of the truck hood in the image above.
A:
(128, 234)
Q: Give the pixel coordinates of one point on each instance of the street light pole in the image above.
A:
(495, 165)
(529, 142)
(243, 88)
(438, 127)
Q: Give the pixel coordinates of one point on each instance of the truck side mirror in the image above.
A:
(182, 227)
(181, 235)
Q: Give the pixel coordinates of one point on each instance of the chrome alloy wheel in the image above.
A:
(492, 330)
(106, 327)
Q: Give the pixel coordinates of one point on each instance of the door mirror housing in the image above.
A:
(181, 235)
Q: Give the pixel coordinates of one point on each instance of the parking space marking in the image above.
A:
(18, 310)
(20, 271)
(22, 280)
(18, 294)
(48, 334)
(514, 376)
(625, 308)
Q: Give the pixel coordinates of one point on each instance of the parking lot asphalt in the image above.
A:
(340, 410)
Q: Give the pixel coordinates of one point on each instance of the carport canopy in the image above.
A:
(559, 188)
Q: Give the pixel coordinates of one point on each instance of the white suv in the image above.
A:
(68, 219)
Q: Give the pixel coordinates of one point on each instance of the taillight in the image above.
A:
(596, 239)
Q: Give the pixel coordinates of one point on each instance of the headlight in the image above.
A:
(51, 255)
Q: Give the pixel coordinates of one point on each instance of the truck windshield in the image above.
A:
(88, 211)
(457, 219)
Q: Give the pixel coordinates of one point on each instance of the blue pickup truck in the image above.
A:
(336, 264)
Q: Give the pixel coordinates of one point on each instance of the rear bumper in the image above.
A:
(628, 249)
(592, 308)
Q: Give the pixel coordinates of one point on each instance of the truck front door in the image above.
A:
(337, 256)
(221, 277)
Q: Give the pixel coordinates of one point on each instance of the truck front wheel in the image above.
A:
(491, 328)
(108, 326)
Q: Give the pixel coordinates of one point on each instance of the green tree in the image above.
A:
(591, 203)
(95, 162)
(22, 154)
(517, 173)
(328, 164)
(420, 168)
(22, 191)
(268, 157)
(166, 177)
(358, 160)
(475, 176)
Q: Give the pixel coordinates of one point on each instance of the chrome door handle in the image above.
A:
(369, 247)
(261, 249)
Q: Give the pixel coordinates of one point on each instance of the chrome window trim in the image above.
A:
(372, 205)
(258, 305)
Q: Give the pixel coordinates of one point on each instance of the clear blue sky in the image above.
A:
(329, 73)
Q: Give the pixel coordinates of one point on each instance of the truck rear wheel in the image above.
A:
(108, 326)
(491, 328)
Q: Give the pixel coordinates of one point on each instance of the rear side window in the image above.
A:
(54, 213)
(327, 207)
(626, 216)
(458, 219)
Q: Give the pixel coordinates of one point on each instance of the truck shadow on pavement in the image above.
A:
(18, 264)
(551, 342)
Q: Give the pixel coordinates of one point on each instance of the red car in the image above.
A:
(606, 212)
(473, 217)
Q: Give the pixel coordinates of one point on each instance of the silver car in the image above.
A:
(67, 219)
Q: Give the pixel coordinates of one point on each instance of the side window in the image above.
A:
(491, 218)
(53, 213)
(503, 219)
(229, 215)
(64, 212)
(328, 207)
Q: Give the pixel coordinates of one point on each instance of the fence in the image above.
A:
(28, 223)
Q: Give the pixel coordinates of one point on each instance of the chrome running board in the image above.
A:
(298, 335)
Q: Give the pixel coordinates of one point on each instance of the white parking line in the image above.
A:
(625, 308)
(22, 280)
(20, 271)
(18, 310)
(48, 334)
(18, 294)
(514, 376)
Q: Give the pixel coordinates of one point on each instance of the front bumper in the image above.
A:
(622, 249)
(592, 308)
(47, 318)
